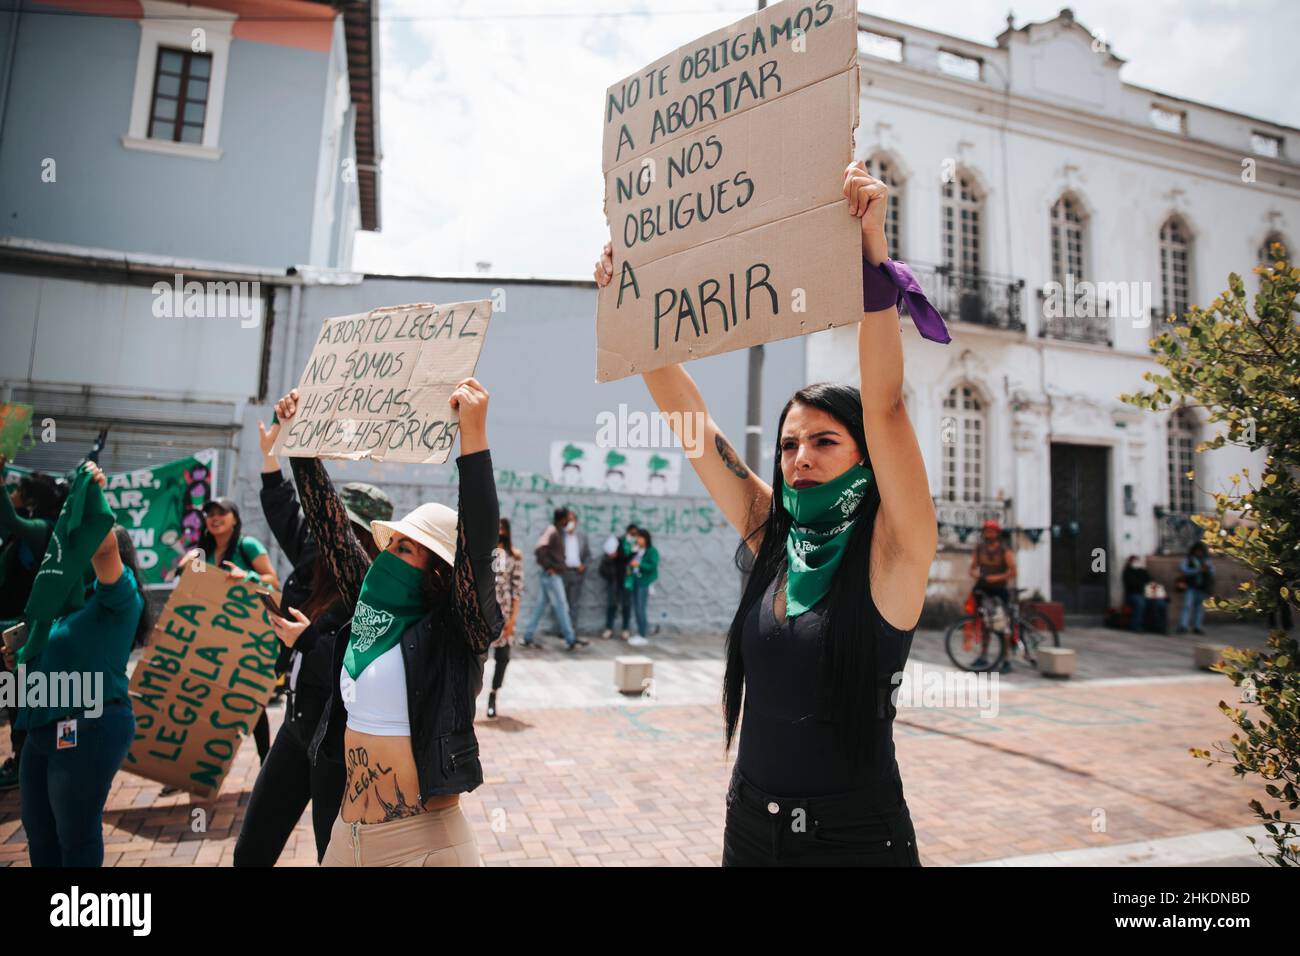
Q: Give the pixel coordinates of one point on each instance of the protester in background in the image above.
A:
(508, 563)
(1197, 583)
(550, 558)
(27, 515)
(244, 558)
(839, 547)
(993, 564)
(288, 778)
(613, 568)
(412, 667)
(642, 572)
(577, 554)
(72, 754)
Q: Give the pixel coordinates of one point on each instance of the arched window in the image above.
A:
(1175, 266)
(962, 434)
(1184, 433)
(963, 208)
(1264, 255)
(884, 169)
(1068, 226)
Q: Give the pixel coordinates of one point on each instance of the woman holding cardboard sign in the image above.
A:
(410, 667)
(840, 543)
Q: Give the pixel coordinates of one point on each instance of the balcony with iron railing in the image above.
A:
(954, 517)
(974, 299)
(1175, 531)
(1086, 318)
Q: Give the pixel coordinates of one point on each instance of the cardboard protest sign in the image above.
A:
(15, 420)
(202, 681)
(724, 166)
(376, 384)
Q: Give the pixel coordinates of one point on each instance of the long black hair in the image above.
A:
(850, 684)
(126, 549)
(208, 541)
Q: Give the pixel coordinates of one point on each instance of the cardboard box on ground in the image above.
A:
(723, 168)
(202, 682)
(376, 384)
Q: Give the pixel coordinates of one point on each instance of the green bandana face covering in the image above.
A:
(822, 521)
(389, 603)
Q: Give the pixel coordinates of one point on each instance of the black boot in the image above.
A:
(492, 704)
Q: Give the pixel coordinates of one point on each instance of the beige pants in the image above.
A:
(434, 838)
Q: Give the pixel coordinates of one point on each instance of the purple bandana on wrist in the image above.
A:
(893, 282)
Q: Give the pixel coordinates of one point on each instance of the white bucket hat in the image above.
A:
(433, 525)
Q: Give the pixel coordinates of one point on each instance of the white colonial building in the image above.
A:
(1028, 163)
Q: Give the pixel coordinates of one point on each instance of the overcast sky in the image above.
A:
(490, 110)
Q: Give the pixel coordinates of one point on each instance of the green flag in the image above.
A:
(61, 581)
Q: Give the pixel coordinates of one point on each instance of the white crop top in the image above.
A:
(376, 703)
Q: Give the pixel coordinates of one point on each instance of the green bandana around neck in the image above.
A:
(822, 519)
(389, 603)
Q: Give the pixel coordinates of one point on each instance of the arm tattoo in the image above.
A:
(731, 459)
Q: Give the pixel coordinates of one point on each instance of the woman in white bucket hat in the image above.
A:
(411, 666)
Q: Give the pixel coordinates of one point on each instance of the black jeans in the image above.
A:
(286, 782)
(866, 827)
(501, 655)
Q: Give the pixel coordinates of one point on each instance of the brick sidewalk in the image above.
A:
(642, 782)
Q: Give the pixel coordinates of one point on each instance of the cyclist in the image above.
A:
(993, 565)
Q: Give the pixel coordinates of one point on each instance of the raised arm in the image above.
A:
(743, 497)
(327, 518)
(906, 532)
(477, 523)
(32, 531)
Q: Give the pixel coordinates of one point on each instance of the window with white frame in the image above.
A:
(1068, 226)
(1175, 266)
(1167, 120)
(962, 435)
(1183, 435)
(1266, 144)
(180, 80)
(884, 169)
(879, 45)
(963, 208)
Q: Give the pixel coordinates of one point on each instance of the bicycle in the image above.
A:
(996, 632)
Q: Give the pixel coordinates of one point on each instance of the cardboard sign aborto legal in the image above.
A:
(202, 682)
(724, 166)
(376, 384)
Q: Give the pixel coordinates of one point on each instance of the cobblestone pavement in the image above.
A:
(1037, 771)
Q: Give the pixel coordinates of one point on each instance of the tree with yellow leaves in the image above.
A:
(1244, 370)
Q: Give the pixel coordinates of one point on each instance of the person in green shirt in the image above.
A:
(27, 514)
(76, 744)
(223, 543)
(642, 571)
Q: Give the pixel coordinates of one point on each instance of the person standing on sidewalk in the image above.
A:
(1198, 578)
(409, 673)
(27, 516)
(642, 572)
(577, 555)
(316, 614)
(613, 568)
(72, 753)
(841, 544)
(550, 558)
(508, 563)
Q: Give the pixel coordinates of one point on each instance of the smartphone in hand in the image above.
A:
(269, 603)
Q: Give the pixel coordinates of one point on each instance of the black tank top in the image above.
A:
(788, 744)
